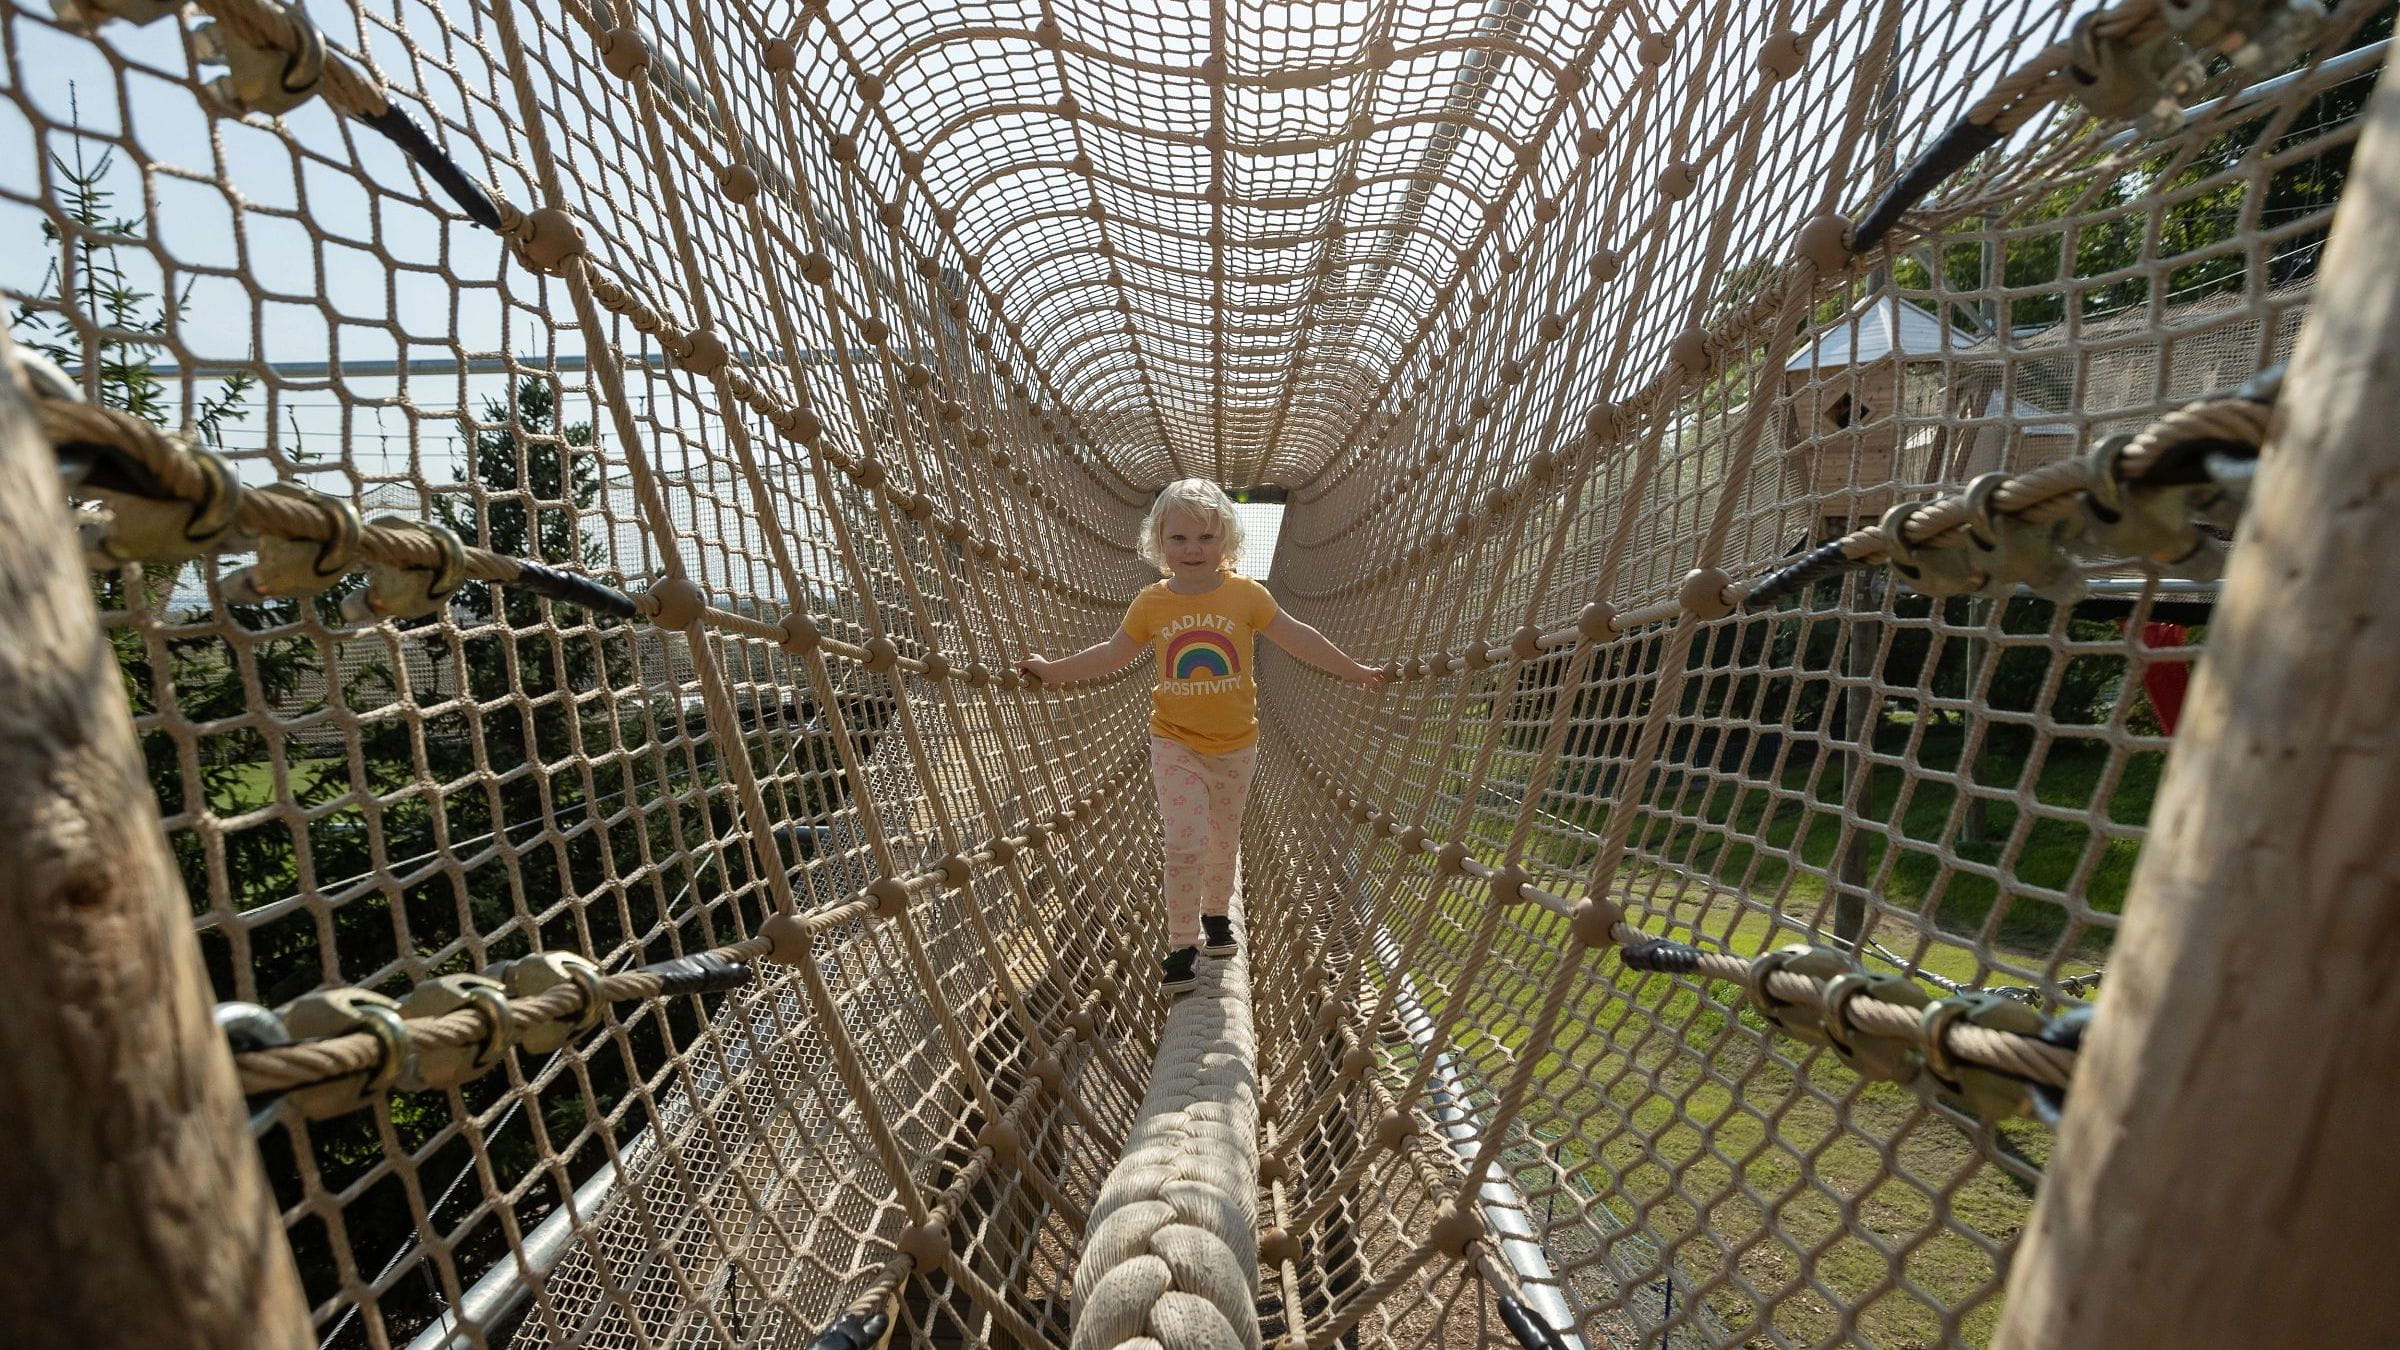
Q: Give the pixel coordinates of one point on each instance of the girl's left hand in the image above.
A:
(1368, 675)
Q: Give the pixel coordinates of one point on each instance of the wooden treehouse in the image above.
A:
(1889, 403)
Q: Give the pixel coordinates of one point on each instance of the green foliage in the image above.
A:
(536, 481)
(2093, 259)
(92, 315)
(521, 495)
(500, 702)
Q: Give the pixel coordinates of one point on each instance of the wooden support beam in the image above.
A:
(2225, 1173)
(137, 1215)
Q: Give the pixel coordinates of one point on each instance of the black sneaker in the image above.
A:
(1175, 970)
(1217, 936)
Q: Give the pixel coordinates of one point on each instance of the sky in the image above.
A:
(398, 280)
(1260, 523)
(383, 270)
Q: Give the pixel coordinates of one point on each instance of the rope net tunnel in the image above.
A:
(567, 487)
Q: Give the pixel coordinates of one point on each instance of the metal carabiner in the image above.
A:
(289, 568)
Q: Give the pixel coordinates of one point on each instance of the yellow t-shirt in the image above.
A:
(1207, 695)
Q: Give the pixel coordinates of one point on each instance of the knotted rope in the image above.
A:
(1171, 1258)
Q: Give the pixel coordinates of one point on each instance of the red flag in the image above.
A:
(2166, 681)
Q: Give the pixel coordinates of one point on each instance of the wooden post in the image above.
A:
(2225, 1173)
(1862, 716)
(137, 1215)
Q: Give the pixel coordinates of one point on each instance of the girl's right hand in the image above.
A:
(1033, 668)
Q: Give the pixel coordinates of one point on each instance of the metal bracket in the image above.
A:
(2065, 1031)
(266, 80)
(288, 568)
(86, 16)
(544, 971)
(450, 1065)
(338, 1012)
(2155, 524)
(409, 592)
(1981, 1093)
(2011, 552)
(1933, 571)
(2258, 35)
(147, 524)
(2140, 82)
(1792, 1019)
(1869, 1056)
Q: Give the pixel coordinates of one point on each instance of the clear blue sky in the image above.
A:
(380, 300)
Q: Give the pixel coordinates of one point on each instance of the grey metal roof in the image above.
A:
(1877, 329)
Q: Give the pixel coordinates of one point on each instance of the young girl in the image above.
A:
(1204, 712)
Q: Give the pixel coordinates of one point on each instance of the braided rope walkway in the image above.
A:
(1171, 1258)
(568, 487)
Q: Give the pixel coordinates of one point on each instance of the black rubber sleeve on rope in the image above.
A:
(401, 130)
(575, 589)
(2185, 463)
(1661, 957)
(852, 1331)
(704, 973)
(1823, 561)
(100, 465)
(1528, 1327)
(1931, 169)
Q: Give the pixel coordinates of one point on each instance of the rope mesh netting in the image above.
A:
(841, 349)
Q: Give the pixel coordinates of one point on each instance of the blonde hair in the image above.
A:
(1201, 498)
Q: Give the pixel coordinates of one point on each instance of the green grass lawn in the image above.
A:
(1733, 836)
(1821, 1193)
(254, 784)
(1853, 1213)
(1819, 1198)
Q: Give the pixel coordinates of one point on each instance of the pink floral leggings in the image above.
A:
(1200, 799)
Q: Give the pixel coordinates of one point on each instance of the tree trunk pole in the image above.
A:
(1861, 718)
(2225, 1174)
(137, 1215)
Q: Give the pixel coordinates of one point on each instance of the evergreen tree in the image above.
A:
(515, 691)
(94, 315)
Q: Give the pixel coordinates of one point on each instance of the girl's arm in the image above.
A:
(1100, 658)
(1309, 645)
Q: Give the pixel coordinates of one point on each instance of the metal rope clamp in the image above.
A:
(2012, 552)
(1870, 1056)
(249, 1027)
(409, 592)
(2257, 35)
(447, 1066)
(544, 971)
(2127, 520)
(1933, 571)
(2141, 82)
(1983, 1093)
(339, 1012)
(146, 523)
(266, 80)
(1793, 1019)
(288, 568)
(42, 378)
(2233, 474)
(86, 16)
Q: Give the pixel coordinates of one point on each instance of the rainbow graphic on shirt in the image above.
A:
(1201, 654)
